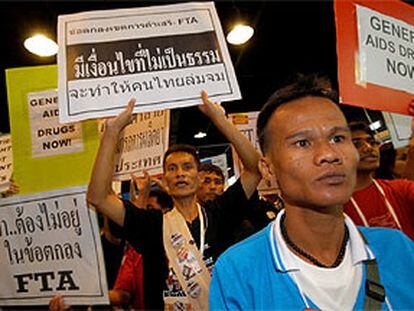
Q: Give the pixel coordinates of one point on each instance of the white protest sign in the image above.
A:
(386, 50)
(399, 126)
(50, 244)
(142, 145)
(6, 162)
(246, 124)
(49, 137)
(161, 55)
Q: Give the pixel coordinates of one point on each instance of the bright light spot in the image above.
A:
(41, 45)
(240, 34)
(200, 135)
(375, 125)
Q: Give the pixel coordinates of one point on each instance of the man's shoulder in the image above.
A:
(386, 239)
(141, 218)
(250, 249)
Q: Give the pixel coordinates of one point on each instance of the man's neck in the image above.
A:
(364, 179)
(187, 206)
(319, 234)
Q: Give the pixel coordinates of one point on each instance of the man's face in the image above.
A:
(311, 153)
(181, 174)
(368, 149)
(211, 186)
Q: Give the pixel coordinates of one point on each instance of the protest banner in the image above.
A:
(161, 55)
(46, 155)
(50, 244)
(399, 127)
(246, 123)
(375, 47)
(48, 137)
(6, 162)
(142, 145)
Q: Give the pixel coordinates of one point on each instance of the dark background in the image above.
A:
(290, 37)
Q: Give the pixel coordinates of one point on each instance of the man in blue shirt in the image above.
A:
(313, 256)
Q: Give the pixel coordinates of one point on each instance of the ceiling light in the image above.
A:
(200, 135)
(240, 34)
(41, 45)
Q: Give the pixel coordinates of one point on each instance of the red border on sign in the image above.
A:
(369, 95)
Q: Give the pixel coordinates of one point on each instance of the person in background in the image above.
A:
(128, 290)
(211, 183)
(190, 236)
(400, 161)
(378, 202)
(312, 256)
(404, 160)
(387, 156)
(149, 193)
(259, 213)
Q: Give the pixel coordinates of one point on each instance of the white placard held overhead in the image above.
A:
(142, 145)
(161, 55)
(50, 244)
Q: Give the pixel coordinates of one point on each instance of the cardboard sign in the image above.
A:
(49, 137)
(46, 156)
(142, 145)
(161, 55)
(50, 244)
(375, 47)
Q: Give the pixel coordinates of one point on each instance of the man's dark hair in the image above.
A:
(182, 148)
(301, 86)
(211, 168)
(361, 126)
(163, 198)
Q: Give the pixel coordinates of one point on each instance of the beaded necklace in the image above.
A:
(308, 256)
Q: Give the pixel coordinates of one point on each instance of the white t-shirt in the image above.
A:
(331, 288)
(328, 288)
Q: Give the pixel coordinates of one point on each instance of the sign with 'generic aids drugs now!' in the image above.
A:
(375, 47)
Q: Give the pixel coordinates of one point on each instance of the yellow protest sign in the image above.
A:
(47, 155)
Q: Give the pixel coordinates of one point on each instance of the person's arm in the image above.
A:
(143, 185)
(249, 156)
(99, 192)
